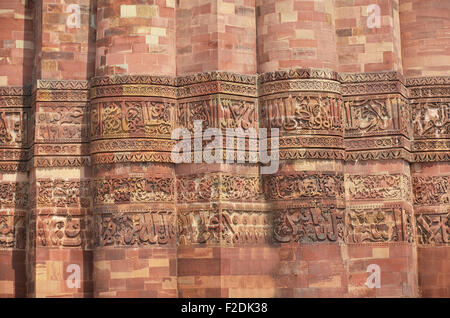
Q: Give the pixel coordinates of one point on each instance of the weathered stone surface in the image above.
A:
(91, 91)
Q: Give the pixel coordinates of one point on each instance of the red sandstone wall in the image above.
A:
(16, 66)
(296, 34)
(431, 210)
(425, 37)
(362, 48)
(59, 218)
(64, 52)
(86, 175)
(135, 37)
(17, 45)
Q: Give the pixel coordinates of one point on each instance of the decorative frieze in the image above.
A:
(133, 190)
(212, 187)
(225, 227)
(135, 229)
(302, 114)
(304, 186)
(383, 224)
(309, 224)
(433, 229)
(64, 231)
(125, 119)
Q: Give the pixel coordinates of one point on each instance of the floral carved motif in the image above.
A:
(303, 185)
(433, 229)
(378, 225)
(133, 190)
(431, 190)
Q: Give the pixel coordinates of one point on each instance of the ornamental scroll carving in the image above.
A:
(227, 187)
(308, 120)
(217, 112)
(293, 113)
(303, 185)
(431, 190)
(133, 190)
(135, 229)
(376, 116)
(431, 119)
(12, 231)
(12, 128)
(387, 187)
(63, 193)
(13, 195)
(309, 224)
(56, 230)
(312, 141)
(433, 229)
(228, 227)
(379, 225)
(61, 123)
(138, 118)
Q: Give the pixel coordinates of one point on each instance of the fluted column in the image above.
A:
(131, 120)
(59, 257)
(224, 228)
(377, 133)
(300, 95)
(16, 58)
(425, 46)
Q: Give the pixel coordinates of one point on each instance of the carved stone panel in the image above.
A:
(61, 193)
(131, 118)
(309, 224)
(377, 116)
(304, 186)
(218, 111)
(431, 119)
(227, 227)
(14, 195)
(302, 114)
(389, 224)
(197, 188)
(135, 229)
(61, 122)
(67, 231)
(433, 229)
(133, 190)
